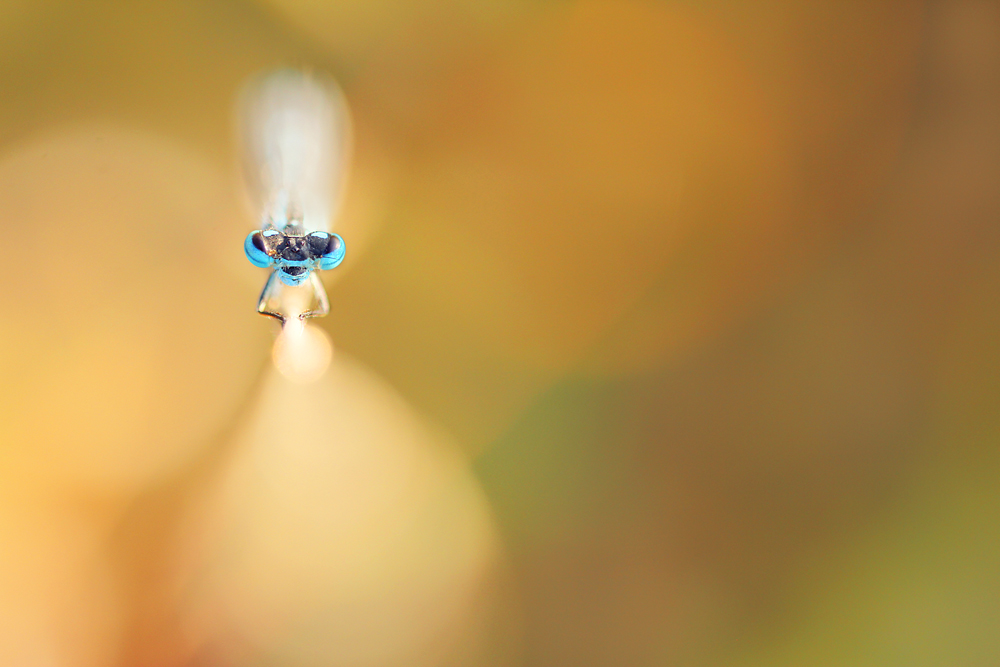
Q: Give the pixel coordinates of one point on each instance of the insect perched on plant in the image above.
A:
(295, 139)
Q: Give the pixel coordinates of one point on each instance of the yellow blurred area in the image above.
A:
(92, 359)
(339, 527)
(666, 335)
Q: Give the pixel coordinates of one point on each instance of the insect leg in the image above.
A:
(319, 298)
(271, 287)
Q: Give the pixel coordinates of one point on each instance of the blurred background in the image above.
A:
(667, 335)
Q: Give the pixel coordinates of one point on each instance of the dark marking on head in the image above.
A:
(334, 246)
(293, 248)
(318, 244)
(258, 242)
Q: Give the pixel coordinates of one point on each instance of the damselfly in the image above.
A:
(295, 131)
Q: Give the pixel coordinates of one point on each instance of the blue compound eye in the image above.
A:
(254, 249)
(293, 275)
(334, 254)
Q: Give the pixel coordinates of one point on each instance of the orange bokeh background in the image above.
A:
(666, 336)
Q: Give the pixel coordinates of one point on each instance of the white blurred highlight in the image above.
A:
(302, 352)
(296, 138)
(344, 532)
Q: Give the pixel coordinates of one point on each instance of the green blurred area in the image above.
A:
(705, 293)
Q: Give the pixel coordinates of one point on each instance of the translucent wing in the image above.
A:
(296, 135)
